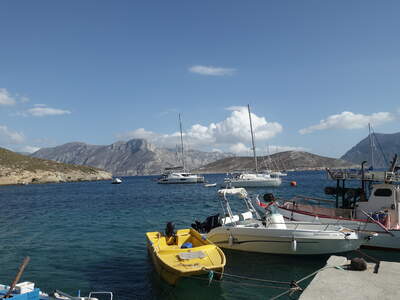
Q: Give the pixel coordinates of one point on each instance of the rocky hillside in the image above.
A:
(389, 143)
(134, 157)
(20, 169)
(288, 160)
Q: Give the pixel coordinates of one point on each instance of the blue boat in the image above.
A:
(23, 291)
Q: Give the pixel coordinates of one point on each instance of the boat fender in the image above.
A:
(294, 244)
(230, 240)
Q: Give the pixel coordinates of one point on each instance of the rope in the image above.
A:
(250, 278)
(234, 282)
(295, 284)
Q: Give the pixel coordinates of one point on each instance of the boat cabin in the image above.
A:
(383, 202)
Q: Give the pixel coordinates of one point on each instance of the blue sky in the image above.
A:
(314, 72)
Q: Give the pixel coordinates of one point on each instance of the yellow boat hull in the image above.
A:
(173, 262)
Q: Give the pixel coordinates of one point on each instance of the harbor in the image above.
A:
(175, 150)
(91, 236)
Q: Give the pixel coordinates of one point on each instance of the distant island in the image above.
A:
(21, 169)
(139, 157)
(127, 158)
(385, 146)
(288, 160)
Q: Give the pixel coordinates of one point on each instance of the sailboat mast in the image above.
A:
(252, 139)
(180, 127)
(371, 145)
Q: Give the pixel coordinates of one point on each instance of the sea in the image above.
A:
(90, 236)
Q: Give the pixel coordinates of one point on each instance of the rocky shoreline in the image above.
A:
(20, 169)
(15, 177)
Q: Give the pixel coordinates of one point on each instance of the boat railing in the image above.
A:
(323, 226)
(307, 198)
(367, 175)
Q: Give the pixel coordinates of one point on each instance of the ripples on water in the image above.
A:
(90, 236)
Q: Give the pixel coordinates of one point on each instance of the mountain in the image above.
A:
(389, 143)
(21, 169)
(134, 157)
(288, 160)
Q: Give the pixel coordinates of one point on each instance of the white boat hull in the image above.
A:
(383, 240)
(272, 182)
(175, 178)
(280, 241)
(175, 181)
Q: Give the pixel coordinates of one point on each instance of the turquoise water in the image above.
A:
(90, 236)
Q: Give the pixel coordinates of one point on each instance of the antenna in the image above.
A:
(252, 138)
(371, 145)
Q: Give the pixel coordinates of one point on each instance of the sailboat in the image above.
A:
(179, 174)
(253, 179)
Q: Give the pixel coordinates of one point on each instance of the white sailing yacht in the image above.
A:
(179, 174)
(253, 179)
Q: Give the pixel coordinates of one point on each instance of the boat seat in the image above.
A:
(228, 220)
(247, 215)
(191, 255)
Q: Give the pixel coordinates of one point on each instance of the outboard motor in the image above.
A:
(169, 229)
(269, 197)
(170, 234)
(210, 223)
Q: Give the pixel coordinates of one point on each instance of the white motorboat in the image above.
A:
(248, 232)
(253, 179)
(210, 184)
(116, 180)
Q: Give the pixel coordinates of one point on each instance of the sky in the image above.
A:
(314, 73)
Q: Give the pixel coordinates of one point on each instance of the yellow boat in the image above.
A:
(173, 260)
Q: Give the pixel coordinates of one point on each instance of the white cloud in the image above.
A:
(139, 133)
(40, 110)
(29, 149)
(239, 148)
(276, 149)
(226, 134)
(349, 120)
(8, 136)
(6, 98)
(212, 71)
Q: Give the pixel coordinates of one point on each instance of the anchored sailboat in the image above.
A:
(179, 174)
(253, 179)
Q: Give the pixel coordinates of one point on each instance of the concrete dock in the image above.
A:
(335, 282)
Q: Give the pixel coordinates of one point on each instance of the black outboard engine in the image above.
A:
(210, 223)
(170, 230)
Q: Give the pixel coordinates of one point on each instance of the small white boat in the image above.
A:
(210, 184)
(249, 232)
(59, 295)
(116, 180)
